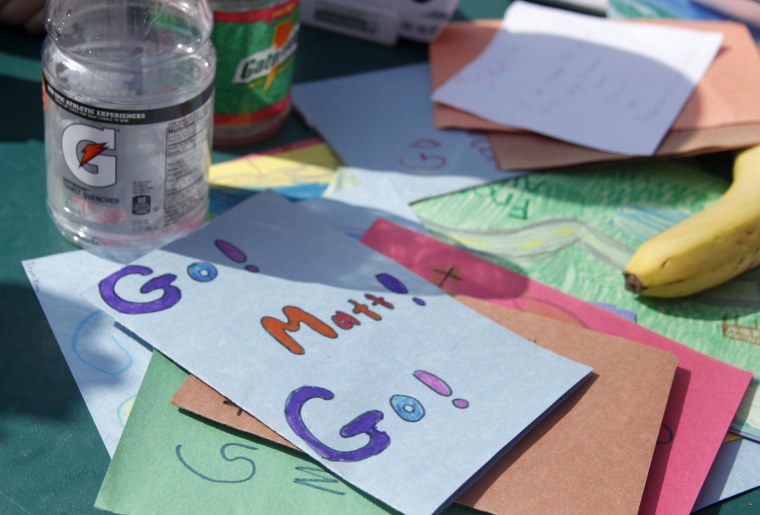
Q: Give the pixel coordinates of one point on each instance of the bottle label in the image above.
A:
(255, 56)
(132, 170)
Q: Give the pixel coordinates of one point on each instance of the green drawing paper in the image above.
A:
(575, 231)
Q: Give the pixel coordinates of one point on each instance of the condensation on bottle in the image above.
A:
(128, 107)
(256, 43)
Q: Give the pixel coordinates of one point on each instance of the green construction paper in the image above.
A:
(222, 471)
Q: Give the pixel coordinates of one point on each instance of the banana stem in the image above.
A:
(632, 283)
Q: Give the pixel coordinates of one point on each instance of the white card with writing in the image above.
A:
(376, 373)
(611, 85)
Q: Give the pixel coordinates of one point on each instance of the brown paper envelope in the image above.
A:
(590, 455)
(723, 112)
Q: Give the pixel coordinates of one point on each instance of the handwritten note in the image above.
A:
(400, 142)
(324, 340)
(608, 85)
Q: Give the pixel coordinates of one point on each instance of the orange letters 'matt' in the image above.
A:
(296, 316)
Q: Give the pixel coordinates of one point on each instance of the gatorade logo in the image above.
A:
(265, 62)
(83, 151)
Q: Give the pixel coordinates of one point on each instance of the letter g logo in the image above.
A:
(82, 150)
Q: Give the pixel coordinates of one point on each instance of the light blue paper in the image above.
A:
(498, 384)
(353, 210)
(107, 365)
(382, 123)
(736, 469)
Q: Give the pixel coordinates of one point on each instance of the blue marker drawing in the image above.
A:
(80, 340)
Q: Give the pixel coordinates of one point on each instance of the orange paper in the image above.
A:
(723, 112)
(590, 455)
(197, 397)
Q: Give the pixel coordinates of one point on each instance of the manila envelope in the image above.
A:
(723, 112)
(590, 455)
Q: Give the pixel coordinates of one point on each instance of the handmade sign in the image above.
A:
(612, 86)
(109, 365)
(698, 413)
(626, 394)
(324, 340)
(399, 142)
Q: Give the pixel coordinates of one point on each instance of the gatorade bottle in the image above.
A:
(256, 43)
(128, 99)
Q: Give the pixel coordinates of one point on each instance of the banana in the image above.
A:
(708, 248)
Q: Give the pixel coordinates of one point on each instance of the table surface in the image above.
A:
(51, 456)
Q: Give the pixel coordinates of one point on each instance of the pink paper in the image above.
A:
(705, 394)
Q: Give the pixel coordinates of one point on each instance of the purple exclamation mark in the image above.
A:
(396, 286)
(235, 254)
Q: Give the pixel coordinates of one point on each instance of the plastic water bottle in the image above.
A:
(128, 102)
(256, 43)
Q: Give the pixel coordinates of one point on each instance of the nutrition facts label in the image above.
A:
(186, 148)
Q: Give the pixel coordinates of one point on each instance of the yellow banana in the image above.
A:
(708, 248)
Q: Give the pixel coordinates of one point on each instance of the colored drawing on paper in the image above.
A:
(312, 347)
(309, 163)
(302, 171)
(85, 346)
(577, 238)
(235, 254)
(743, 333)
(226, 456)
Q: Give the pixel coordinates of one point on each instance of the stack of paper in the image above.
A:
(296, 369)
(641, 430)
(339, 350)
(556, 89)
(698, 413)
(628, 390)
